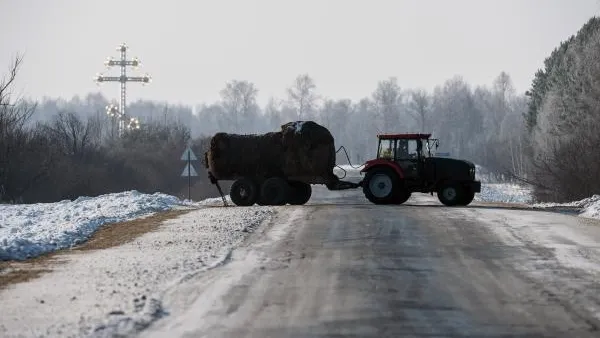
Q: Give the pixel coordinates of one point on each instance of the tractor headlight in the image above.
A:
(472, 172)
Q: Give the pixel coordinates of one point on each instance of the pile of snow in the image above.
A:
(588, 207)
(215, 201)
(29, 230)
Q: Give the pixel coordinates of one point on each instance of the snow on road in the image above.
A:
(119, 290)
(29, 230)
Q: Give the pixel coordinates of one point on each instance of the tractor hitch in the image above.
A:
(343, 185)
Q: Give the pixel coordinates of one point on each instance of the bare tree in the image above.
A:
(419, 106)
(302, 96)
(388, 100)
(239, 102)
(73, 136)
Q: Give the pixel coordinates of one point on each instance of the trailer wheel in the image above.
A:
(451, 194)
(379, 184)
(300, 193)
(243, 192)
(274, 191)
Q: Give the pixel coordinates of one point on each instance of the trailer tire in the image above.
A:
(379, 185)
(243, 192)
(274, 191)
(300, 193)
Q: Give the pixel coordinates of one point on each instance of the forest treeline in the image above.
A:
(59, 149)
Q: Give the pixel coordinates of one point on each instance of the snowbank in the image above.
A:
(588, 207)
(29, 230)
(118, 291)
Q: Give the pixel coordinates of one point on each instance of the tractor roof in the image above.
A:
(403, 136)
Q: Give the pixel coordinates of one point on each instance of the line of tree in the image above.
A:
(56, 149)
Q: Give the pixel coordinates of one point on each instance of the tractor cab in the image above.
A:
(409, 151)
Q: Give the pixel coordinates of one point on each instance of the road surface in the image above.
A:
(343, 267)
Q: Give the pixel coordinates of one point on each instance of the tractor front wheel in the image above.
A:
(467, 198)
(451, 194)
(379, 184)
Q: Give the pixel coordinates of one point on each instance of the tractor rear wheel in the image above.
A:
(300, 193)
(379, 184)
(451, 194)
(243, 192)
(274, 191)
(401, 197)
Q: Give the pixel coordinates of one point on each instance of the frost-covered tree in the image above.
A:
(564, 118)
(239, 104)
(419, 108)
(302, 97)
(387, 99)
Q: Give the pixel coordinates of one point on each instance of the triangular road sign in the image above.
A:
(189, 171)
(184, 157)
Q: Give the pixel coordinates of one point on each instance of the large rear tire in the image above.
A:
(243, 192)
(379, 184)
(274, 191)
(300, 193)
(451, 194)
(401, 196)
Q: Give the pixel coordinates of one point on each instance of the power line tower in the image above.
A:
(123, 63)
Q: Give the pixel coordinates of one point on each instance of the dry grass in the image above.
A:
(111, 235)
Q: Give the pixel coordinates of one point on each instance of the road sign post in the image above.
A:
(189, 171)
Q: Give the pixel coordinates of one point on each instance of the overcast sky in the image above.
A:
(191, 48)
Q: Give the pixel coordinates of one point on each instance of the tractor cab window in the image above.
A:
(413, 150)
(406, 149)
(401, 149)
(386, 149)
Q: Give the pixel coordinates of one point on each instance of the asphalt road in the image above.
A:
(343, 267)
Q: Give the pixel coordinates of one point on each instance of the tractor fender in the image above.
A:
(383, 163)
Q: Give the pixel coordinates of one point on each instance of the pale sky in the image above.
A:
(192, 48)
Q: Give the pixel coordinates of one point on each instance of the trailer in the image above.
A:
(275, 168)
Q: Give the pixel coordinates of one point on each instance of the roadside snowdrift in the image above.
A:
(587, 207)
(29, 230)
(119, 291)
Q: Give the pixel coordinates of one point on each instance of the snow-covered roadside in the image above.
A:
(29, 230)
(118, 290)
(587, 207)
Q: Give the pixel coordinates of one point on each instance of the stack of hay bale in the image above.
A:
(300, 149)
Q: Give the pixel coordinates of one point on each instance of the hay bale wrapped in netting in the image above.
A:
(301, 149)
(234, 155)
(309, 149)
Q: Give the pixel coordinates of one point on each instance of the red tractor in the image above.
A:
(405, 164)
